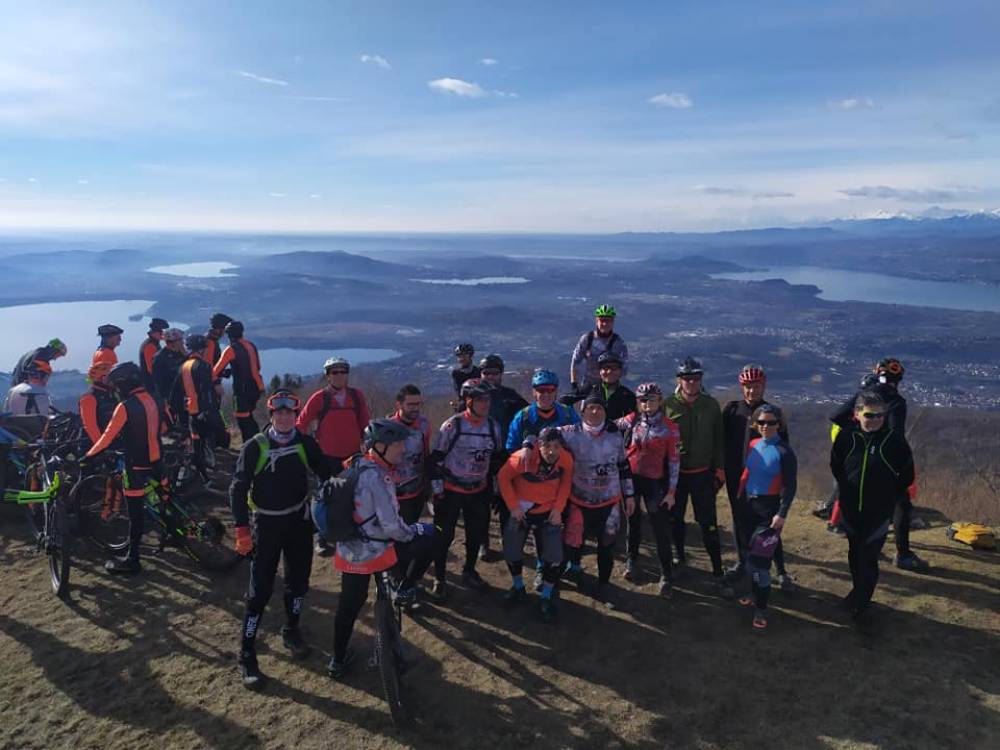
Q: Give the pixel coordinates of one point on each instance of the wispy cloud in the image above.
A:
(275, 195)
(261, 79)
(488, 61)
(376, 60)
(913, 195)
(318, 98)
(742, 192)
(855, 103)
(456, 86)
(83, 182)
(673, 101)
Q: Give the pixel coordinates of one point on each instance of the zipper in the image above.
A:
(864, 468)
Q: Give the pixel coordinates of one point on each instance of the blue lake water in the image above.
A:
(840, 286)
(477, 282)
(210, 269)
(310, 361)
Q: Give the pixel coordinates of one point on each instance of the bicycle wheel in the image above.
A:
(58, 545)
(387, 653)
(207, 539)
(103, 514)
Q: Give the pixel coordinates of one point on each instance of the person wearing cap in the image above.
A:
(166, 364)
(243, 361)
(462, 371)
(601, 493)
(32, 395)
(466, 456)
(652, 447)
(411, 474)
(583, 370)
(148, 349)
(273, 468)
(535, 484)
(97, 404)
(194, 391)
(618, 398)
(739, 430)
(766, 491)
(702, 473)
(51, 351)
(111, 337)
(386, 540)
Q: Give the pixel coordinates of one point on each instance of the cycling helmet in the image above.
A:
(234, 329)
(544, 377)
(219, 320)
(890, 368)
(604, 311)
(58, 345)
(752, 374)
(475, 387)
(195, 342)
(109, 329)
(98, 371)
(283, 399)
(125, 377)
(158, 324)
(173, 334)
(608, 358)
(385, 431)
(336, 362)
(464, 349)
(690, 366)
(648, 389)
(491, 362)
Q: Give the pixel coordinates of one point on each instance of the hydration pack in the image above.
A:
(975, 535)
(333, 506)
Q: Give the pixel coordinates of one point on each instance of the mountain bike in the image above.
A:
(388, 652)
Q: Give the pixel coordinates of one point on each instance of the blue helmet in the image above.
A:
(544, 377)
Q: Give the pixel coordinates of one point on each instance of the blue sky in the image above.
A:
(514, 116)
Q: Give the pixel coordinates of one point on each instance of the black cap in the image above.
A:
(158, 324)
(109, 329)
(608, 358)
(219, 320)
(595, 398)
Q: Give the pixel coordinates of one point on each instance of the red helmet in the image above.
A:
(752, 374)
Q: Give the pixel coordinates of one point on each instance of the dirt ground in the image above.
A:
(150, 661)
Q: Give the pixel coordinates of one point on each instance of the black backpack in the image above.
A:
(333, 506)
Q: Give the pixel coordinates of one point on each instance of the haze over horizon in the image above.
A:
(454, 117)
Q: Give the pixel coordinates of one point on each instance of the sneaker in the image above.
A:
(836, 530)
(293, 641)
(337, 669)
(665, 588)
(734, 574)
(759, 622)
(631, 570)
(605, 594)
(473, 580)
(122, 566)
(822, 511)
(724, 588)
(786, 583)
(679, 560)
(546, 609)
(439, 590)
(515, 595)
(847, 604)
(250, 674)
(322, 549)
(912, 563)
(407, 599)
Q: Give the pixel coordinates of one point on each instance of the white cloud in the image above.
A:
(674, 101)
(276, 195)
(855, 103)
(456, 86)
(32, 179)
(314, 195)
(262, 79)
(504, 94)
(913, 195)
(318, 98)
(742, 192)
(376, 60)
(83, 182)
(488, 61)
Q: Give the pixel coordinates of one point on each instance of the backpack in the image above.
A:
(356, 398)
(333, 506)
(975, 535)
(494, 433)
(590, 342)
(264, 448)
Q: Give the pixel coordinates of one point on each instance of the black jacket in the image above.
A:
(737, 432)
(872, 469)
(505, 403)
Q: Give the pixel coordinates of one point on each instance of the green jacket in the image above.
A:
(701, 431)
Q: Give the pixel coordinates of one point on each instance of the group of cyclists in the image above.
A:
(560, 469)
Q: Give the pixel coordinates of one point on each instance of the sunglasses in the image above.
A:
(767, 422)
(492, 372)
(545, 388)
(611, 367)
(689, 378)
(337, 372)
(873, 414)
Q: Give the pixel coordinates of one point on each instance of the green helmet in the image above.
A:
(604, 311)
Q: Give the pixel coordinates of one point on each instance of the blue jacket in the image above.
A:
(529, 422)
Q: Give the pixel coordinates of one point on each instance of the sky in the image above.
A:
(494, 117)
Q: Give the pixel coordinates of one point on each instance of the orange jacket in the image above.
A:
(520, 482)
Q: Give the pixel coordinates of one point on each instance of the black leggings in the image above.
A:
(594, 525)
(475, 511)
(862, 555)
(700, 489)
(413, 559)
(901, 518)
(650, 492)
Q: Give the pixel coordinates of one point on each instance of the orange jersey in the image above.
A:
(526, 483)
(106, 355)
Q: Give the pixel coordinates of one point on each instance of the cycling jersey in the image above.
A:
(528, 483)
(652, 446)
(591, 346)
(738, 432)
(411, 473)
(771, 470)
(137, 418)
(467, 451)
(601, 473)
(166, 364)
(700, 424)
(27, 398)
(96, 407)
(340, 420)
(459, 375)
(872, 470)
(193, 387)
(242, 357)
(147, 351)
(531, 421)
(105, 355)
(43, 353)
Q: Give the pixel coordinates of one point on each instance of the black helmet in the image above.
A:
(125, 378)
(889, 369)
(690, 366)
(234, 329)
(491, 362)
(109, 329)
(195, 342)
(219, 320)
(464, 349)
(608, 358)
(158, 324)
(475, 387)
(384, 431)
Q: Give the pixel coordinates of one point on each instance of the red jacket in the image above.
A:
(339, 429)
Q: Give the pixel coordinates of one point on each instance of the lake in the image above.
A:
(210, 269)
(310, 361)
(476, 282)
(841, 286)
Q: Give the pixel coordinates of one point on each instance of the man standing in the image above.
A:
(52, 350)
(111, 337)
(166, 365)
(620, 400)
(98, 404)
(241, 355)
(700, 421)
(411, 475)
(194, 390)
(544, 412)
(583, 371)
(463, 369)
(149, 348)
